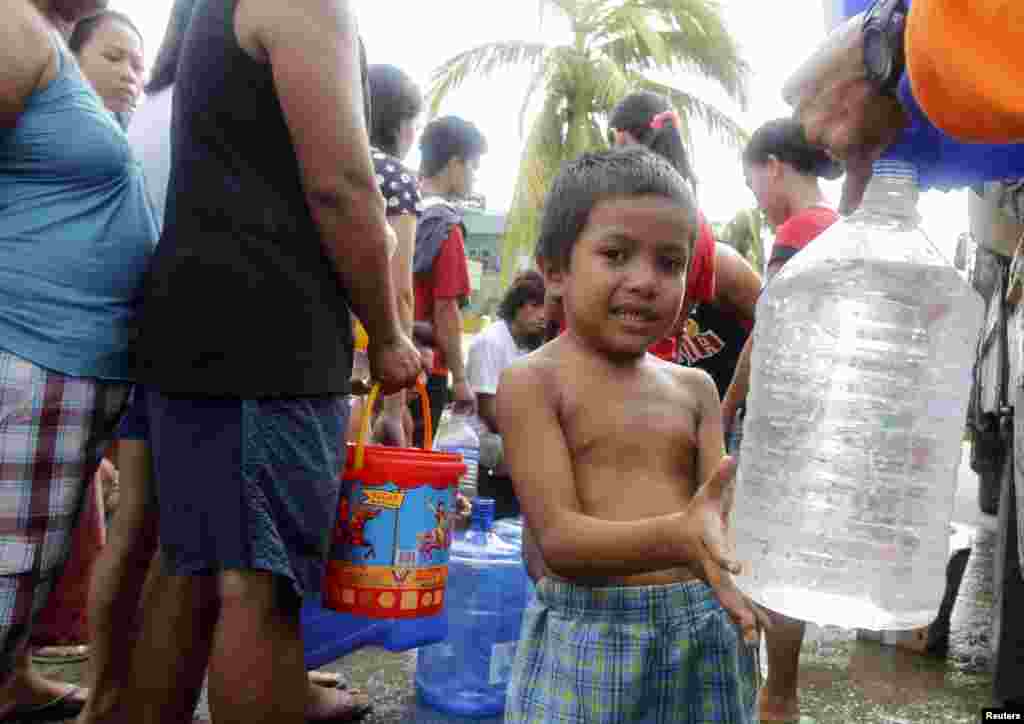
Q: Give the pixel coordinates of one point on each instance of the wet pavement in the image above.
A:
(844, 678)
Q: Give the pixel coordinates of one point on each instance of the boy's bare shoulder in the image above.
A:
(696, 380)
(539, 366)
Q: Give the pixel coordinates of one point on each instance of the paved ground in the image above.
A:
(843, 680)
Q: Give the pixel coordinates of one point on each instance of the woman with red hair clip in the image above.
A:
(722, 287)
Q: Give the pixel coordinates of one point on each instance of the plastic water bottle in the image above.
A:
(457, 434)
(468, 673)
(861, 374)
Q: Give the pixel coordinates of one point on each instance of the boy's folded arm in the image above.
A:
(573, 544)
(710, 433)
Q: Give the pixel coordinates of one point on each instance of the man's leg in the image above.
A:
(179, 616)
(257, 667)
(779, 698)
(118, 579)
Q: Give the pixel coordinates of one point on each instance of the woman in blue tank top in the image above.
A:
(76, 234)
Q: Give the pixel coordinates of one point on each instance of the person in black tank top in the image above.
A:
(713, 335)
(274, 227)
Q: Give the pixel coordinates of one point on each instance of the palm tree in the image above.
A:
(614, 44)
(744, 234)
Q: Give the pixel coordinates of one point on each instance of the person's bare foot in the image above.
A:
(778, 709)
(27, 690)
(329, 705)
(915, 640)
(324, 678)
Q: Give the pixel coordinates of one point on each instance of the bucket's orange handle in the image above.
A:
(364, 427)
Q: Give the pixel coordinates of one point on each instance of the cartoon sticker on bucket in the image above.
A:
(389, 551)
(390, 540)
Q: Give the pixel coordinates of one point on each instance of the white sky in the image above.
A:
(419, 35)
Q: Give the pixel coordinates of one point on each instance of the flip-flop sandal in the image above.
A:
(359, 706)
(60, 654)
(65, 706)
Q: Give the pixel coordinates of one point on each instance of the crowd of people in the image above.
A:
(193, 300)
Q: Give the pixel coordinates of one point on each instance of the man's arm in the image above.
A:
(737, 285)
(736, 394)
(451, 284)
(401, 268)
(448, 332)
(26, 54)
(313, 49)
(487, 408)
(390, 425)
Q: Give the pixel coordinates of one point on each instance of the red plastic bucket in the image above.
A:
(389, 551)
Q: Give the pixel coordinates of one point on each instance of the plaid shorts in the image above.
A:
(650, 654)
(52, 430)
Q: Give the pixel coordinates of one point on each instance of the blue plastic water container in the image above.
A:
(468, 673)
(329, 635)
(510, 530)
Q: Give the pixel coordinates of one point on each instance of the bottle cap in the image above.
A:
(896, 169)
(483, 513)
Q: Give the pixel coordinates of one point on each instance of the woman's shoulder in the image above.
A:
(387, 164)
(397, 183)
(806, 224)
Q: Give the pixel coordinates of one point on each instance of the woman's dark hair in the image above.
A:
(447, 138)
(784, 139)
(394, 99)
(165, 67)
(526, 288)
(87, 27)
(595, 177)
(637, 112)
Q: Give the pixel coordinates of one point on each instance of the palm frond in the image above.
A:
(553, 75)
(570, 8)
(482, 61)
(695, 38)
(541, 159)
(612, 84)
(631, 25)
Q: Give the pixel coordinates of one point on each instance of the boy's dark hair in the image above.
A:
(784, 138)
(637, 112)
(394, 99)
(595, 177)
(447, 138)
(165, 67)
(526, 288)
(87, 27)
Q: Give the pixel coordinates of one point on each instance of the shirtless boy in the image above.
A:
(637, 617)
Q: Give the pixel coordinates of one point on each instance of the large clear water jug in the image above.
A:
(861, 373)
(457, 434)
(468, 673)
